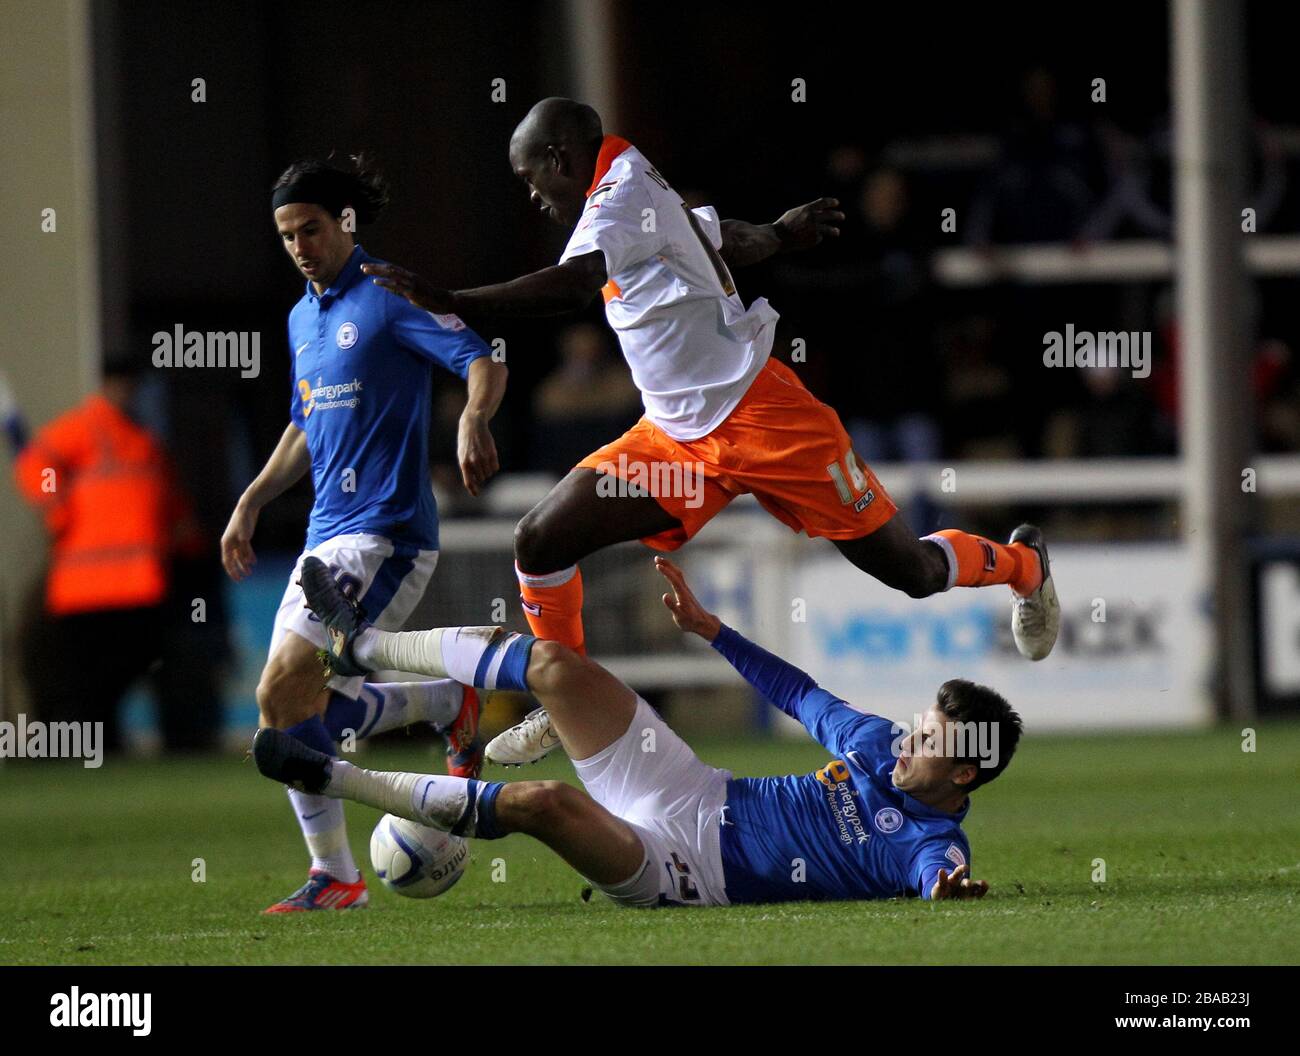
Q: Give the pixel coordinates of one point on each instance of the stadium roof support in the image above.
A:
(1210, 122)
(593, 69)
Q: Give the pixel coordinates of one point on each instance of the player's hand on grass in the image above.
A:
(409, 285)
(476, 451)
(957, 885)
(237, 555)
(688, 613)
(806, 225)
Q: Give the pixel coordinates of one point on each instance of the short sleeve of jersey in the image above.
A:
(445, 339)
(932, 855)
(710, 224)
(621, 224)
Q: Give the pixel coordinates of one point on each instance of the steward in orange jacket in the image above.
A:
(117, 520)
(112, 507)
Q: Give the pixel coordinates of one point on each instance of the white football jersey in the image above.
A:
(692, 345)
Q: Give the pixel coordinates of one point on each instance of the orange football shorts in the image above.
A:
(780, 443)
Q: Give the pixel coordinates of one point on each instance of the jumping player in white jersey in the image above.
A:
(717, 406)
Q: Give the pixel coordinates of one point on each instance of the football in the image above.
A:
(415, 860)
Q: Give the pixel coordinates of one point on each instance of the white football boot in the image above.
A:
(1035, 618)
(525, 742)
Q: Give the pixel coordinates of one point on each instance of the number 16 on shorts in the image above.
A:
(844, 470)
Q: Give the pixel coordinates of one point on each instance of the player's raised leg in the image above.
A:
(792, 451)
(938, 562)
(579, 516)
(483, 657)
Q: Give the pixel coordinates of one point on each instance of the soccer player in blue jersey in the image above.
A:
(361, 368)
(659, 827)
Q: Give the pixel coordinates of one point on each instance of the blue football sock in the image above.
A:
(480, 817)
(504, 663)
(313, 733)
(343, 714)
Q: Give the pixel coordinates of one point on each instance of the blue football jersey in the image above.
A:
(844, 832)
(362, 388)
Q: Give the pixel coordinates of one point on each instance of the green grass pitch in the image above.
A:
(1201, 843)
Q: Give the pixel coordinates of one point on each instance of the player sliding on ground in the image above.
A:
(362, 366)
(658, 826)
(717, 407)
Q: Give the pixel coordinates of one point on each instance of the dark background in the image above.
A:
(705, 91)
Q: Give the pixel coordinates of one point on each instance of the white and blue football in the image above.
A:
(415, 860)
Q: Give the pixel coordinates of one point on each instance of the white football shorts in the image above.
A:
(651, 779)
(388, 578)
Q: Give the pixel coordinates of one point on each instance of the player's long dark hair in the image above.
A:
(366, 187)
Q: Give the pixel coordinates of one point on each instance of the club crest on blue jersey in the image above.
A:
(347, 335)
(888, 820)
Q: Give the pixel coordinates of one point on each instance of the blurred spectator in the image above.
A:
(980, 411)
(1115, 419)
(118, 521)
(1280, 398)
(1129, 208)
(587, 401)
(867, 321)
(1139, 171)
(891, 414)
(846, 165)
(1045, 183)
(1273, 385)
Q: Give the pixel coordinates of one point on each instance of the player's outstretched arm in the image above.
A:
(782, 683)
(556, 290)
(832, 723)
(800, 228)
(288, 462)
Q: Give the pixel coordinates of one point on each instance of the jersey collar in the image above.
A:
(346, 276)
(610, 148)
(924, 810)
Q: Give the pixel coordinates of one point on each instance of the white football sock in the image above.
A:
(324, 829)
(441, 652)
(417, 651)
(396, 705)
(429, 799)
